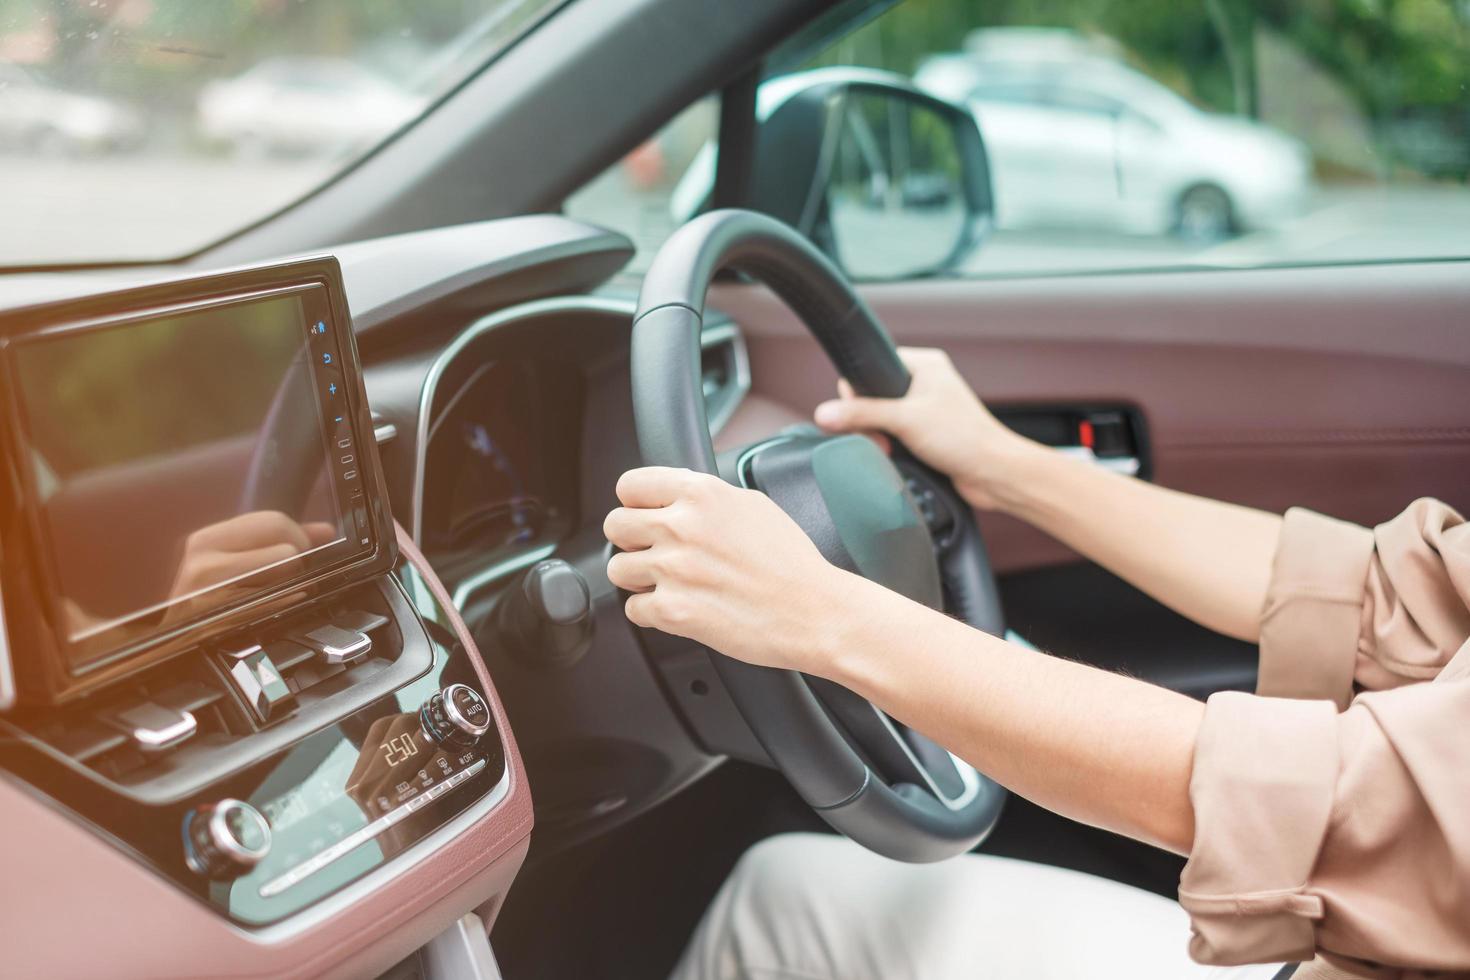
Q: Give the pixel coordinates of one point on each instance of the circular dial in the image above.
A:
(457, 715)
(225, 839)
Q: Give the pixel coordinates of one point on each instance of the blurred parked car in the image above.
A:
(38, 116)
(1077, 137)
(304, 106)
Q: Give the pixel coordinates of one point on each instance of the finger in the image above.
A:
(845, 393)
(917, 357)
(205, 569)
(248, 532)
(882, 441)
(640, 610)
(856, 414)
(631, 530)
(653, 486)
(632, 571)
(319, 533)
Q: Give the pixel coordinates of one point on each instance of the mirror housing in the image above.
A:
(889, 181)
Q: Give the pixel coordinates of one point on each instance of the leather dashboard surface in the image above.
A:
(73, 905)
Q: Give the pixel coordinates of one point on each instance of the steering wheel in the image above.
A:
(892, 520)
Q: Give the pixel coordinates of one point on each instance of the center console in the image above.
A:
(213, 656)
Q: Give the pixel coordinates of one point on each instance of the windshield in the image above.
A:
(135, 130)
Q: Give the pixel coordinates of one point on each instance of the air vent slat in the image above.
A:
(724, 365)
(88, 742)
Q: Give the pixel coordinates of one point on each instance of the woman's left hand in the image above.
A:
(725, 567)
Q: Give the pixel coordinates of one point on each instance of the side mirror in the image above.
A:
(889, 181)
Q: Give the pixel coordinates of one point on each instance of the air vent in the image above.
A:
(189, 696)
(724, 366)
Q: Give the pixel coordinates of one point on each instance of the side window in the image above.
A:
(1116, 135)
(636, 195)
(1242, 133)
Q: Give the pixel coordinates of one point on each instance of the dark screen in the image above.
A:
(179, 463)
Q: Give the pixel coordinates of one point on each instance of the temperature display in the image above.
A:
(400, 748)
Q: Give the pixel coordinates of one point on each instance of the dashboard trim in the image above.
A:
(7, 672)
(465, 590)
(476, 330)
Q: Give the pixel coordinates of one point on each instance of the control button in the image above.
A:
(332, 386)
(275, 886)
(360, 518)
(259, 680)
(225, 839)
(154, 728)
(335, 644)
(457, 715)
(349, 474)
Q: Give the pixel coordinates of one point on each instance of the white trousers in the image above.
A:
(819, 907)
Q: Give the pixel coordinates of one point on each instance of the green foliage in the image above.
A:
(1390, 54)
(86, 412)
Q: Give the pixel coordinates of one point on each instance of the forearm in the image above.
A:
(1095, 746)
(1209, 561)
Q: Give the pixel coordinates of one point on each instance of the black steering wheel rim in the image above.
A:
(903, 821)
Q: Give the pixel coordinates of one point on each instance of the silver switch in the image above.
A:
(336, 645)
(154, 728)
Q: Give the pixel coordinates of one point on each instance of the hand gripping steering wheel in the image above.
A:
(892, 520)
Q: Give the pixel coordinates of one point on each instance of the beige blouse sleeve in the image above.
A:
(1380, 608)
(1344, 831)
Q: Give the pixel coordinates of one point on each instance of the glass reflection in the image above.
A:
(164, 500)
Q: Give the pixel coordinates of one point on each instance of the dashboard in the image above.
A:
(500, 463)
(318, 775)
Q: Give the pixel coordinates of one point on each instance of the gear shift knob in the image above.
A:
(546, 618)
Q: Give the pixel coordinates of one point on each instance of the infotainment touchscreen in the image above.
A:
(186, 458)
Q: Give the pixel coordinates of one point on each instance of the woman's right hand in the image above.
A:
(942, 422)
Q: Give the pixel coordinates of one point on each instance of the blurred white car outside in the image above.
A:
(304, 106)
(1076, 137)
(40, 118)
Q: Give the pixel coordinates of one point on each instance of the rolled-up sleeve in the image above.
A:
(1347, 833)
(1314, 605)
(1377, 608)
(1344, 831)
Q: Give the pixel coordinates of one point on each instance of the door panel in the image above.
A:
(1344, 389)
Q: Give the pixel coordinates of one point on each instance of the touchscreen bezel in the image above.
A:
(30, 587)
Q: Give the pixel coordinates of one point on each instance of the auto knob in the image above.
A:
(546, 619)
(225, 839)
(456, 716)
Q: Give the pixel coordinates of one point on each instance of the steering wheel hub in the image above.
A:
(849, 498)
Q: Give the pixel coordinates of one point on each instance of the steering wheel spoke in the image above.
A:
(894, 752)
